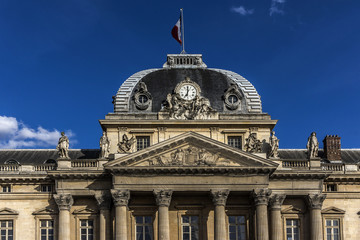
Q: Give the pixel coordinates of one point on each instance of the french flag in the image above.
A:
(176, 31)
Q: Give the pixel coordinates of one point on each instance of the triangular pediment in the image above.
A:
(85, 210)
(45, 211)
(291, 210)
(191, 150)
(332, 210)
(8, 211)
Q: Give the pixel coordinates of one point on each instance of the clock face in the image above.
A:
(187, 92)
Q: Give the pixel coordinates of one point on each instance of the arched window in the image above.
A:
(12, 161)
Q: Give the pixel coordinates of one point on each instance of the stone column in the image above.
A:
(276, 222)
(261, 198)
(163, 199)
(219, 198)
(121, 200)
(315, 202)
(104, 200)
(64, 202)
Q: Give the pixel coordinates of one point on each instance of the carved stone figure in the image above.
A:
(126, 144)
(253, 145)
(274, 146)
(198, 61)
(207, 158)
(312, 146)
(104, 146)
(177, 157)
(171, 61)
(63, 146)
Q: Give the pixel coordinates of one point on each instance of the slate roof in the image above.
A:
(39, 156)
(349, 156)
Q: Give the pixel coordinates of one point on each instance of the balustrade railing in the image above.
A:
(295, 164)
(9, 167)
(337, 167)
(44, 167)
(84, 163)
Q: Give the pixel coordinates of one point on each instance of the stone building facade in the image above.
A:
(187, 154)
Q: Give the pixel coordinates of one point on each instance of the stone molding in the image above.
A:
(315, 201)
(103, 200)
(276, 201)
(120, 196)
(220, 196)
(64, 201)
(261, 196)
(163, 197)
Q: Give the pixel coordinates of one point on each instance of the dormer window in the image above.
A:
(12, 161)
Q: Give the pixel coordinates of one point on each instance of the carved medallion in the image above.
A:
(142, 97)
(232, 97)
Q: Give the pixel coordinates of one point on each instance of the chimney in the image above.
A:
(332, 147)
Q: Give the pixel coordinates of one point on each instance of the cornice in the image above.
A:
(74, 174)
(192, 170)
(306, 175)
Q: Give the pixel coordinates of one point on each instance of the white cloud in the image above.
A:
(242, 10)
(277, 7)
(14, 134)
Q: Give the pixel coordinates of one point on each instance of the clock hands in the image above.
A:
(187, 91)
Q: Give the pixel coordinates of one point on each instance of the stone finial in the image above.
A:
(315, 201)
(276, 201)
(219, 197)
(312, 146)
(163, 197)
(63, 146)
(261, 196)
(104, 146)
(64, 201)
(120, 196)
(103, 200)
(274, 146)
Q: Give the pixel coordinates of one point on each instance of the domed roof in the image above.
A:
(215, 85)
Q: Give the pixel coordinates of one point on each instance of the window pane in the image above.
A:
(185, 219)
(148, 219)
(232, 219)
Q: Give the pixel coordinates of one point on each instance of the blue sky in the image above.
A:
(62, 61)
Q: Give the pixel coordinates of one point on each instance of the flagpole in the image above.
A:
(182, 31)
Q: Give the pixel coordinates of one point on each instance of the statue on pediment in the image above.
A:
(63, 146)
(253, 145)
(126, 144)
(177, 157)
(104, 146)
(312, 146)
(274, 146)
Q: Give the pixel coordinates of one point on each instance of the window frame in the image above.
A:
(190, 210)
(7, 214)
(293, 213)
(333, 213)
(143, 210)
(86, 214)
(142, 135)
(45, 214)
(299, 226)
(237, 211)
(8, 187)
(234, 133)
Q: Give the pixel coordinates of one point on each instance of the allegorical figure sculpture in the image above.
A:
(63, 146)
(104, 146)
(312, 146)
(253, 145)
(126, 144)
(274, 145)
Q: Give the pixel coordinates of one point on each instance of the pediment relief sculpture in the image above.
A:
(126, 144)
(188, 156)
(186, 103)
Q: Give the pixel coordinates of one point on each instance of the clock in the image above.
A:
(187, 92)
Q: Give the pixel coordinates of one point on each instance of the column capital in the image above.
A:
(120, 196)
(64, 201)
(103, 200)
(315, 201)
(219, 196)
(261, 196)
(163, 197)
(276, 201)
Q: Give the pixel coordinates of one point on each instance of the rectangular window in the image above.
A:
(142, 142)
(331, 188)
(46, 188)
(292, 229)
(6, 188)
(86, 229)
(190, 227)
(46, 229)
(6, 230)
(332, 229)
(235, 141)
(144, 228)
(237, 228)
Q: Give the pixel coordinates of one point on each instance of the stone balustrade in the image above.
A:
(295, 164)
(335, 167)
(93, 163)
